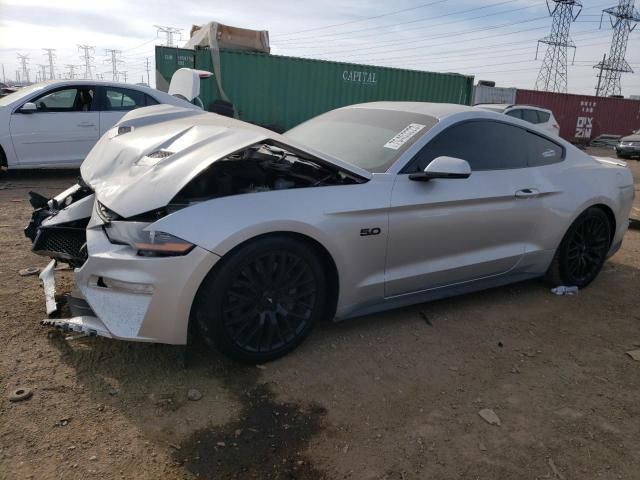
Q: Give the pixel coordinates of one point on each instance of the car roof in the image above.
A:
(106, 83)
(505, 106)
(436, 110)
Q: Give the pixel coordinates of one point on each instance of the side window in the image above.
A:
(543, 117)
(485, 144)
(66, 100)
(541, 151)
(530, 116)
(517, 113)
(150, 100)
(123, 99)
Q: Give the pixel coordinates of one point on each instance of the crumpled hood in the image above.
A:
(129, 179)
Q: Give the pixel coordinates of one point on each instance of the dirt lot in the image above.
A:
(393, 395)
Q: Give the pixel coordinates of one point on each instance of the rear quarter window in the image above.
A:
(530, 116)
(543, 116)
(541, 151)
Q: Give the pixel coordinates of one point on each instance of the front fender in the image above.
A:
(333, 216)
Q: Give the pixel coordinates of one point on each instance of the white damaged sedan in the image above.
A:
(187, 223)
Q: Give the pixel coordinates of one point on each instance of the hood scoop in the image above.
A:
(153, 158)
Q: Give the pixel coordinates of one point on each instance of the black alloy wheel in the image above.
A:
(583, 250)
(263, 301)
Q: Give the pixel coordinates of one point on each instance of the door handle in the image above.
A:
(86, 124)
(527, 193)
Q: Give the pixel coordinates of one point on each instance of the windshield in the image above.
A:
(369, 138)
(21, 93)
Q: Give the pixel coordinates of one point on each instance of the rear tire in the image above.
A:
(583, 250)
(262, 301)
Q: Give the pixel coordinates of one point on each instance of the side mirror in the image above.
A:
(28, 107)
(443, 167)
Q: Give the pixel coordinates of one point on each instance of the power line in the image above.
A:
(402, 43)
(448, 60)
(377, 33)
(361, 19)
(504, 46)
(448, 36)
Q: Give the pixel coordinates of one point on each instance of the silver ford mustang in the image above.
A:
(187, 223)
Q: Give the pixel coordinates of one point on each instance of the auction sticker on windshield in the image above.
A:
(403, 136)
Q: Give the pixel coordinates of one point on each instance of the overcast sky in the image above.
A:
(491, 39)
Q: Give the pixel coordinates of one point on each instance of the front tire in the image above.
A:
(583, 250)
(263, 300)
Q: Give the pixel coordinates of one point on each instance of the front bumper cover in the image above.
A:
(131, 297)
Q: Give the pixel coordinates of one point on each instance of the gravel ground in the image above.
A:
(389, 396)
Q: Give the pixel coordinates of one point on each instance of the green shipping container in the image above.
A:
(280, 92)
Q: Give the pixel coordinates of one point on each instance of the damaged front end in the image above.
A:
(134, 279)
(57, 228)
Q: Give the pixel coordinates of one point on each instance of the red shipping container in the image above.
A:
(584, 117)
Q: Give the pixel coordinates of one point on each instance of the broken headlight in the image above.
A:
(161, 244)
(147, 243)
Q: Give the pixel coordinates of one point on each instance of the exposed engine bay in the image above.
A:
(261, 168)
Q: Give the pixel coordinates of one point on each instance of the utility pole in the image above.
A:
(114, 60)
(553, 71)
(124, 75)
(147, 67)
(87, 57)
(169, 32)
(601, 66)
(623, 18)
(17, 76)
(51, 55)
(25, 71)
(4, 78)
(72, 71)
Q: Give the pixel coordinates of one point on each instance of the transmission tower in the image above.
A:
(87, 57)
(43, 72)
(169, 33)
(72, 71)
(114, 60)
(124, 75)
(623, 18)
(147, 67)
(553, 72)
(25, 71)
(50, 55)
